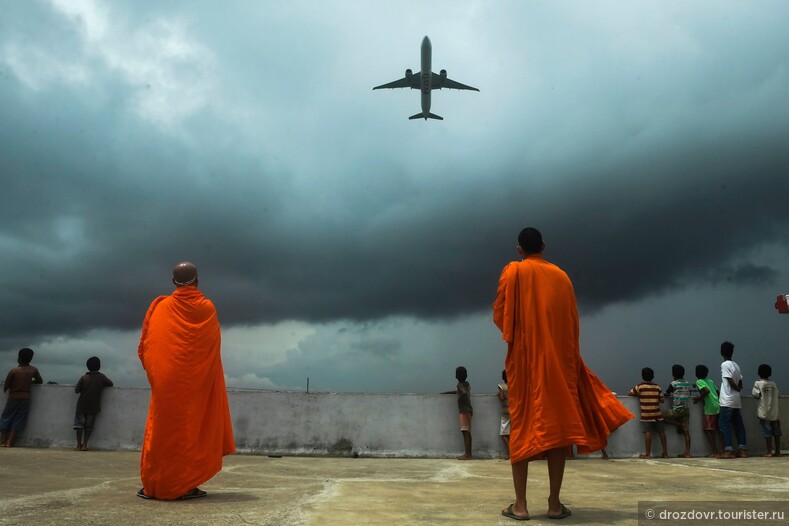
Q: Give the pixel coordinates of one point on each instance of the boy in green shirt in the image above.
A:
(709, 393)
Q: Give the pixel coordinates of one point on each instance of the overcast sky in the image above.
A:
(341, 241)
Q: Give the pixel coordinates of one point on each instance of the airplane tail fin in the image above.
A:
(429, 116)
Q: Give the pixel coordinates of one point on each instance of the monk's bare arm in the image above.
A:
(503, 307)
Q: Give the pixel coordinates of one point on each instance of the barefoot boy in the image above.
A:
(504, 432)
(465, 410)
(89, 387)
(709, 394)
(767, 393)
(679, 414)
(650, 396)
(17, 383)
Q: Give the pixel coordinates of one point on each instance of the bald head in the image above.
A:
(185, 273)
(530, 241)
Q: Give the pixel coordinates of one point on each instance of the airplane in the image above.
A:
(426, 81)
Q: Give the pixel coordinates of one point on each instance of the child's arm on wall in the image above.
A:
(703, 392)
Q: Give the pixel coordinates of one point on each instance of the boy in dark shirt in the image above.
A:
(465, 410)
(89, 386)
(18, 383)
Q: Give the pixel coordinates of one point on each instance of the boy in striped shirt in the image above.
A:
(650, 396)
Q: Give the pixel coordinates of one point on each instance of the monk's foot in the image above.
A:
(194, 494)
(142, 494)
(464, 457)
(644, 455)
(510, 512)
(558, 513)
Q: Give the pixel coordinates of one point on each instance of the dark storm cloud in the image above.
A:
(298, 202)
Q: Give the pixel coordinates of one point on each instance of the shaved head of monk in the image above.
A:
(530, 240)
(185, 273)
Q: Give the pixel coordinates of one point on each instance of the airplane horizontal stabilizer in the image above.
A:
(429, 116)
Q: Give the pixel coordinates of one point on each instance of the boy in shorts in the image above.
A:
(679, 414)
(17, 383)
(465, 410)
(650, 396)
(504, 431)
(767, 393)
(709, 394)
(89, 387)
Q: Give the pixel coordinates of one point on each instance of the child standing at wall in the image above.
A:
(465, 410)
(650, 396)
(89, 387)
(709, 394)
(679, 414)
(504, 432)
(767, 393)
(17, 383)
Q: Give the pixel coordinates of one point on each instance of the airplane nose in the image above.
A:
(426, 42)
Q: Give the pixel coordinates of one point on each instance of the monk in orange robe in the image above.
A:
(554, 400)
(188, 429)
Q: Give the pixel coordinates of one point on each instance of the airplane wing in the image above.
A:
(405, 82)
(441, 81)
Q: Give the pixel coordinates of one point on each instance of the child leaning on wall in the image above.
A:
(17, 383)
(89, 387)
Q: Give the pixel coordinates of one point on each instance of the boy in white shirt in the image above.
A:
(731, 403)
(767, 393)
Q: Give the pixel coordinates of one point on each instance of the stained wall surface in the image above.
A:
(339, 424)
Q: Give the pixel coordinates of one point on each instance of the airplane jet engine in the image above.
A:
(408, 74)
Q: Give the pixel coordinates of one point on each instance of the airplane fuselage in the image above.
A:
(425, 81)
(426, 75)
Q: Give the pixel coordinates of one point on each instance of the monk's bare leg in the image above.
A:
(520, 475)
(556, 461)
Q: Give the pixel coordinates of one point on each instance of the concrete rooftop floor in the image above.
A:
(59, 486)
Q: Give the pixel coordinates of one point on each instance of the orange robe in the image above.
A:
(555, 400)
(188, 429)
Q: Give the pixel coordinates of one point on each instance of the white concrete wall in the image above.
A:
(339, 424)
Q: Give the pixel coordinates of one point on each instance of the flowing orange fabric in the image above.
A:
(188, 429)
(555, 400)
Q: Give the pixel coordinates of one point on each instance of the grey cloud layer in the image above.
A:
(301, 195)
